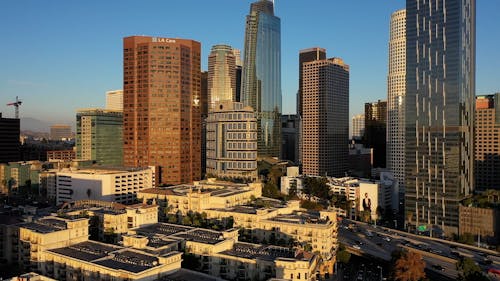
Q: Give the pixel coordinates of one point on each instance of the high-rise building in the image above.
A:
(439, 117)
(487, 142)
(358, 126)
(9, 140)
(376, 130)
(306, 55)
(239, 66)
(261, 76)
(290, 137)
(60, 132)
(204, 115)
(396, 91)
(221, 75)
(99, 136)
(325, 117)
(161, 107)
(114, 100)
(232, 141)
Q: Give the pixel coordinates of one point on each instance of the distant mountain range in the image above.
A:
(34, 125)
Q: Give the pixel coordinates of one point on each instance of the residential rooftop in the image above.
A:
(114, 257)
(47, 225)
(256, 251)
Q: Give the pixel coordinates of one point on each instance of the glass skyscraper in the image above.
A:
(261, 77)
(440, 83)
(99, 136)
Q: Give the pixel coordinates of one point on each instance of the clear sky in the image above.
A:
(61, 55)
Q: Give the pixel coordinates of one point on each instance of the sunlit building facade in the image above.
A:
(261, 75)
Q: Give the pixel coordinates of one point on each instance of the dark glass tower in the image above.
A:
(261, 75)
(440, 83)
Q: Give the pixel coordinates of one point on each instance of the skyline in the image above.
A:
(84, 58)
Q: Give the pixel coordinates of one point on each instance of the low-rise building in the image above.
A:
(108, 184)
(48, 233)
(110, 220)
(92, 260)
(200, 196)
(61, 155)
(366, 195)
(222, 255)
(484, 222)
(293, 181)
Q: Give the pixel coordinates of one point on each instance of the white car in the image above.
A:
(356, 247)
(387, 239)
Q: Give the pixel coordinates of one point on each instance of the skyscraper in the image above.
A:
(114, 100)
(439, 117)
(9, 140)
(396, 91)
(221, 75)
(325, 117)
(306, 55)
(239, 66)
(289, 137)
(261, 76)
(376, 130)
(99, 136)
(358, 126)
(487, 142)
(161, 107)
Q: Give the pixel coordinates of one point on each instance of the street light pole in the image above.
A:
(379, 267)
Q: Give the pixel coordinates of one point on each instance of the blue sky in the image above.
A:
(61, 55)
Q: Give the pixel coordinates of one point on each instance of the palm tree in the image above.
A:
(409, 267)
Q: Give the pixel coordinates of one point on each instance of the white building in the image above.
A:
(358, 126)
(396, 94)
(365, 195)
(114, 100)
(113, 185)
(292, 180)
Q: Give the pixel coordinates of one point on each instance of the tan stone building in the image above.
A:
(48, 233)
(232, 141)
(289, 223)
(222, 255)
(200, 196)
(112, 218)
(480, 221)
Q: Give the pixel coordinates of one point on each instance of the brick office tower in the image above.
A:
(161, 107)
(487, 142)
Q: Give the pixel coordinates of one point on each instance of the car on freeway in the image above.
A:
(438, 267)
(435, 251)
(387, 239)
(356, 247)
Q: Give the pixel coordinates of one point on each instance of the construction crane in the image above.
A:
(16, 104)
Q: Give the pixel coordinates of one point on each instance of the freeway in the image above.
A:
(440, 255)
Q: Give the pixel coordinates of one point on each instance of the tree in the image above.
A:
(343, 256)
(469, 270)
(409, 267)
(466, 238)
(271, 190)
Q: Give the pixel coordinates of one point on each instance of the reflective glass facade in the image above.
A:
(261, 77)
(99, 136)
(440, 86)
